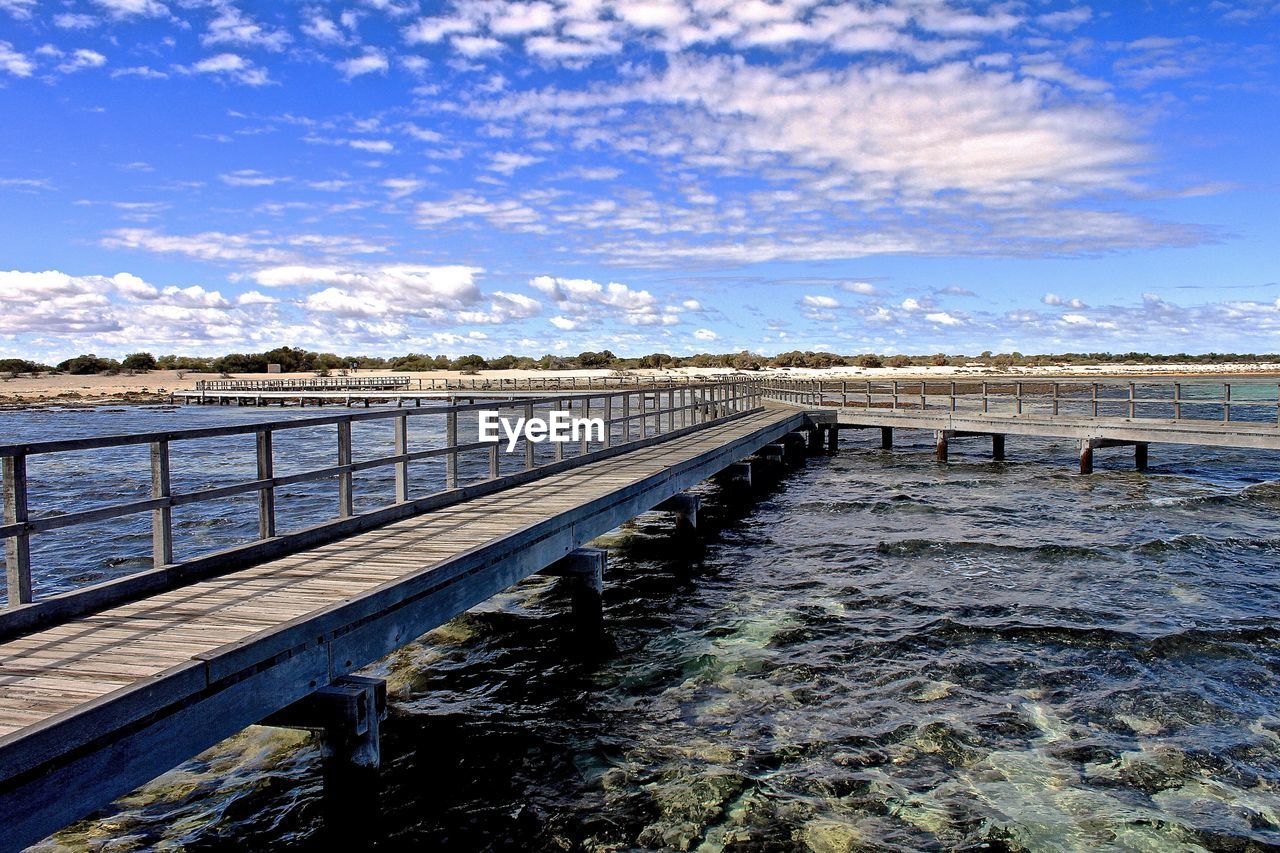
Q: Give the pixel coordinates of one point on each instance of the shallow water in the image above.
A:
(876, 653)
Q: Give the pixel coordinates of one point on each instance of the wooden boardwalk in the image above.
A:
(102, 702)
(1095, 414)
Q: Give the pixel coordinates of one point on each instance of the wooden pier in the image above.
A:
(1095, 414)
(104, 688)
(405, 391)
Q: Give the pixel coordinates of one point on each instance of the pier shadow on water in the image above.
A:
(874, 653)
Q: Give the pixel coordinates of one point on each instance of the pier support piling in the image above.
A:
(795, 443)
(886, 438)
(833, 438)
(585, 569)
(776, 453)
(940, 445)
(815, 439)
(346, 717)
(997, 447)
(1140, 456)
(685, 507)
(1086, 455)
(740, 473)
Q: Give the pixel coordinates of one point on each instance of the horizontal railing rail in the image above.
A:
(627, 416)
(1198, 401)
(315, 383)
(462, 383)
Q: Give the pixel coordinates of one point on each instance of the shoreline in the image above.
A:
(156, 387)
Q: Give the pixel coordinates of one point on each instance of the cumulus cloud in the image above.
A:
(587, 302)
(258, 247)
(132, 8)
(406, 289)
(232, 27)
(232, 66)
(15, 63)
(372, 61)
(1056, 300)
(20, 9)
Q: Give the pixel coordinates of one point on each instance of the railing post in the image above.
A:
(528, 445)
(1226, 402)
(451, 457)
(608, 418)
(924, 404)
(161, 517)
(559, 404)
(1132, 401)
(1055, 398)
(953, 396)
(626, 418)
(346, 502)
(17, 548)
(1177, 401)
(1017, 398)
(984, 398)
(402, 448)
(586, 432)
(895, 395)
(267, 495)
(1094, 392)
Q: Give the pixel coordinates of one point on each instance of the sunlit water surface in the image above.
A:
(875, 653)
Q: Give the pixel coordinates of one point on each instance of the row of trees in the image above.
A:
(298, 360)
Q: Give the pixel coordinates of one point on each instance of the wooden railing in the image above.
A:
(1225, 402)
(630, 416)
(313, 383)
(406, 383)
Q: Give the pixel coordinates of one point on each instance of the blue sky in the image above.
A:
(386, 176)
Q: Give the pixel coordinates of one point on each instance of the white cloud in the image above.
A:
(401, 187)
(74, 21)
(942, 318)
(706, 335)
(820, 302)
(258, 248)
(232, 66)
(387, 290)
(317, 25)
(372, 61)
(507, 162)
(586, 302)
(432, 30)
(374, 146)
(13, 62)
(862, 288)
(132, 8)
(20, 9)
(1055, 299)
(249, 178)
(233, 27)
(143, 72)
(474, 46)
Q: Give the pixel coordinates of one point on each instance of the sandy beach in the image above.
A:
(156, 386)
